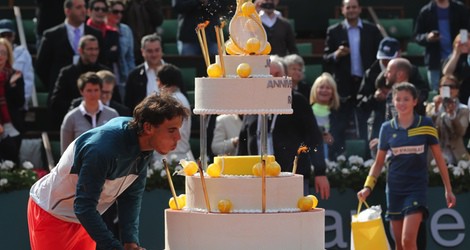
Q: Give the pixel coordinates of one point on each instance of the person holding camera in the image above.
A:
(437, 23)
(451, 119)
(350, 49)
(458, 64)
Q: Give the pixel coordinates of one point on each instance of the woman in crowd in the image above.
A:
(324, 99)
(11, 102)
(126, 43)
(451, 119)
(407, 136)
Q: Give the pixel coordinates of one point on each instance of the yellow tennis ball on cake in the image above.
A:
(248, 8)
(214, 170)
(214, 70)
(230, 48)
(314, 199)
(172, 203)
(253, 45)
(181, 200)
(267, 49)
(256, 170)
(244, 70)
(190, 168)
(225, 206)
(305, 203)
(273, 169)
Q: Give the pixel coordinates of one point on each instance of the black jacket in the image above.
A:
(136, 87)
(426, 22)
(55, 52)
(65, 89)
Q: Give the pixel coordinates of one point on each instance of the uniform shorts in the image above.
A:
(399, 206)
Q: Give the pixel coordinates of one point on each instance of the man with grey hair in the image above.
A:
(142, 81)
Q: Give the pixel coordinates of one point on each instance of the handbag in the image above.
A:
(366, 235)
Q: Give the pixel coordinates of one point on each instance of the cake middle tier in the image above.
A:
(244, 192)
(271, 95)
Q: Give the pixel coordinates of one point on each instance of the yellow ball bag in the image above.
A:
(366, 235)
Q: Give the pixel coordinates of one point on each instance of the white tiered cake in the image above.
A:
(283, 225)
(257, 212)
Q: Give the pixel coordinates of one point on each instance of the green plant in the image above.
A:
(13, 177)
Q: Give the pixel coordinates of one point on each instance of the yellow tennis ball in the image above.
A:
(181, 200)
(225, 206)
(244, 70)
(314, 199)
(214, 70)
(191, 168)
(256, 170)
(230, 48)
(252, 45)
(273, 169)
(248, 8)
(267, 49)
(214, 170)
(305, 203)
(172, 204)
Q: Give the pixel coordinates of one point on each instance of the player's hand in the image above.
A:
(451, 200)
(363, 194)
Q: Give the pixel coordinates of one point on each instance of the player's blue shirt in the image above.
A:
(408, 170)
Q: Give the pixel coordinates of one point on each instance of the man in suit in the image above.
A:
(288, 132)
(65, 89)
(59, 44)
(350, 49)
(142, 81)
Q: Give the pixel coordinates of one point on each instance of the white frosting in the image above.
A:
(282, 193)
(243, 95)
(259, 64)
(201, 231)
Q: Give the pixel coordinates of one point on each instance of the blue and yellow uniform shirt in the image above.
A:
(408, 170)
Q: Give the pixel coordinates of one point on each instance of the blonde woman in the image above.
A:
(11, 101)
(324, 99)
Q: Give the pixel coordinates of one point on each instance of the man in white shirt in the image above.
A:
(142, 81)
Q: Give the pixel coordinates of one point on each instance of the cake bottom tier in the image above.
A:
(194, 230)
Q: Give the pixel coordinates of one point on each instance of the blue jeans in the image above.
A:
(434, 76)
